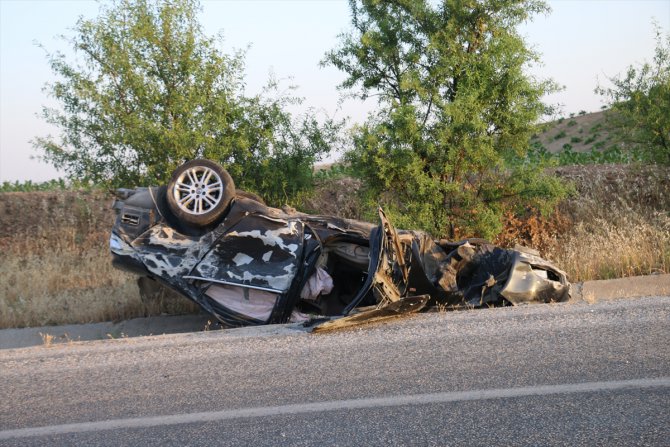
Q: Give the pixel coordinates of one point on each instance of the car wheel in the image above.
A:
(199, 192)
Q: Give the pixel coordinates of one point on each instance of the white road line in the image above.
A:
(317, 407)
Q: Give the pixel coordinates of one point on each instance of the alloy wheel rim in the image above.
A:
(198, 190)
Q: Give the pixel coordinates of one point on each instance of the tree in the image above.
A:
(149, 90)
(455, 103)
(640, 102)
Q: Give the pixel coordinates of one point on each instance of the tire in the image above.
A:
(199, 192)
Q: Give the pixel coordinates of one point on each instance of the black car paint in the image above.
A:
(258, 247)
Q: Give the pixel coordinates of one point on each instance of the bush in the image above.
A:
(439, 152)
(640, 102)
(591, 139)
(148, 90)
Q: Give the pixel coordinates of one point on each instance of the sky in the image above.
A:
(582, 43)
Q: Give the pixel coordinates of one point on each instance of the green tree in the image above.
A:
(455, 103)
(640, 102)
(148, 90)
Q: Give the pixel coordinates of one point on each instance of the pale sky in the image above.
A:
(581, 42)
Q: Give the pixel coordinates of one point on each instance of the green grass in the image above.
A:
(50, 185)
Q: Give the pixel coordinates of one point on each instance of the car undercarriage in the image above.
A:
(249, 264)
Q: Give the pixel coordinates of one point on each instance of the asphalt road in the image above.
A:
(567, 374)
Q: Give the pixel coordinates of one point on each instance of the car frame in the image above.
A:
(249, 264)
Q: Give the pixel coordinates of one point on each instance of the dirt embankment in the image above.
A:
(32, 212)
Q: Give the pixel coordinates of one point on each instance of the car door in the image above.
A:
(259, 252)
(252, 268)
(388, 271)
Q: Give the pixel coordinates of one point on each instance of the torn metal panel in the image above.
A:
(267, 257)
(532, 279)
(390, 278)
(396, 309)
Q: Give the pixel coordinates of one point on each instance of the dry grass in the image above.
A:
(68, 286)
(620, 223)
(617, 225)
(607, 248)
(56, 267)
(47, 339)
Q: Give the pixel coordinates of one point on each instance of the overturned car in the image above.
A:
(249, 264)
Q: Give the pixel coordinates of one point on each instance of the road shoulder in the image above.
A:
(589, 292)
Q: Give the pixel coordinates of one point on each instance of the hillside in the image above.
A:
(582, 132)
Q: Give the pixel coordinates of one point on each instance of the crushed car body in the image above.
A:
(250, 264)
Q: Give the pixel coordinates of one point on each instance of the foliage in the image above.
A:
(455, 103)
(149, 90)
(592, 138)
(337, 170)
(640, 101)
(538, 154)
(50, 185)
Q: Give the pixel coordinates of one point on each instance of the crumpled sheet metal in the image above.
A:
(532, 279)
(392, 310)
(338, 264)
(484, 274)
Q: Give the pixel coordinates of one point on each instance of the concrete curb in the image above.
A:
(137, 327)
(585, 292)
(631, 287)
